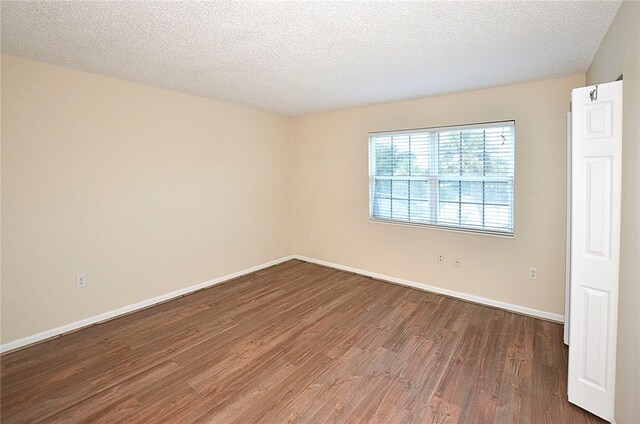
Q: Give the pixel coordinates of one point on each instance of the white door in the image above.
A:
(595, 245)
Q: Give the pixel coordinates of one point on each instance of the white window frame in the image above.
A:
(434, 179)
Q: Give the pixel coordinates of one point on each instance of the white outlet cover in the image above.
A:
(81, 281)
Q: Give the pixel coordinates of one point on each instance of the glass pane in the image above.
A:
(420, 154)
(499, 151)
(383, 156)
(498, 192)
(471, 215)
(400, 210)
(476, 152)
(449, 191)
(383, 188)
(419, 211)
(400, 189)
(472, 145)
(497, 217)
(449, 155)
(471, 191)
(448, 213)
(418, 190)
(401, 155)
(382, 208)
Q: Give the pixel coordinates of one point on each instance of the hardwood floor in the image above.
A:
(298, 342)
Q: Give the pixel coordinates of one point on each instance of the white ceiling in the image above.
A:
(299, 57)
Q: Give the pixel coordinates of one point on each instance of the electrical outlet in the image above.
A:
(440, 258)
(81, 281)
(457, 262)
(310, 235)
(533, 273)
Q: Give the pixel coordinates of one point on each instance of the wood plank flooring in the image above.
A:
(300, 343)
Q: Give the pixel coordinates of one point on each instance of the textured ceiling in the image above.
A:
(299, 57)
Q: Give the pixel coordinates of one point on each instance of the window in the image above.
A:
(451, 177)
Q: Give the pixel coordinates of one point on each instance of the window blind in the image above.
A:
(457, 177)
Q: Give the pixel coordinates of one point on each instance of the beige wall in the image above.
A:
(144, 190)
(618, 54)
(331, 192)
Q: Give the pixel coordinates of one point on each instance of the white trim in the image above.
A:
(133, 307)
(550, 316)
(177, 293)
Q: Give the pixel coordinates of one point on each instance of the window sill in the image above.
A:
(444, 228)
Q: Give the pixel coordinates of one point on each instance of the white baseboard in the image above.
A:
(177, 293)
(464, 296)
(133, 307)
